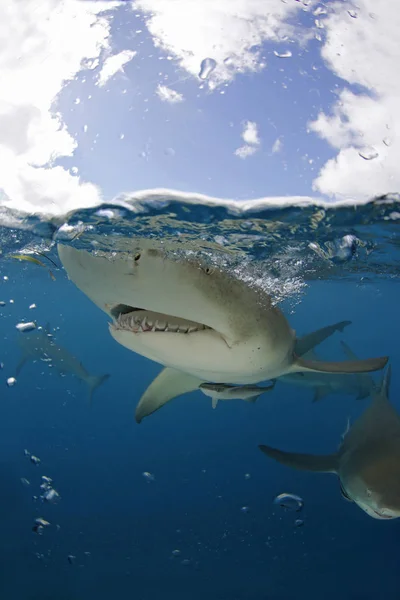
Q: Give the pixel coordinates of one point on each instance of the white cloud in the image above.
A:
(51, 42)
(277, 146)
(168, 95)
(230, 32)
(250, 133)
(113, 64)
(245, 151)
(251, 138)
(362, 49)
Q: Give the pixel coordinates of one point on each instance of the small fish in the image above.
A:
(35, 261)
(31, 259)
(223, 391)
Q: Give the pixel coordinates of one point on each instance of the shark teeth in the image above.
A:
(137, 322)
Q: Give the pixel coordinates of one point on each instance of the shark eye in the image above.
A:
(207, 270)
(369, 493)
(137, 257)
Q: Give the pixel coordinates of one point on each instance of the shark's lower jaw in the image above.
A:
(377, 514)
(138, 320)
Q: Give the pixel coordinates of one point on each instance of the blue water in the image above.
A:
(121, 528)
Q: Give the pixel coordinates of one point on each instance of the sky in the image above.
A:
(235, 99)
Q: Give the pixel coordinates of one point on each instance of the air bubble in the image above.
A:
(207, 67)
(299, 523)
(286, 54)
(368, 153)
(289, 502)
(26, 326)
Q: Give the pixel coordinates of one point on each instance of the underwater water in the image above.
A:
(182, 505)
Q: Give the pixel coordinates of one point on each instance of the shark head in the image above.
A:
(198, 319)
(184, 314)
(375, 487)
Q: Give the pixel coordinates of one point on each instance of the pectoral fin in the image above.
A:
(305, 462)
(169, 384)
(321, 392)
(309, 341)
(347, 366)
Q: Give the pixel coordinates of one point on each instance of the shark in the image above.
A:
(199, 321)
(39, 344)
(359, 385)
(223, 391)
(171, 383)
(367, 462)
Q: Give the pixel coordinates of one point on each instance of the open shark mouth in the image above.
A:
(139, 320)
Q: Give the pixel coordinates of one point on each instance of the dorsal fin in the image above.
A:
(309, 341)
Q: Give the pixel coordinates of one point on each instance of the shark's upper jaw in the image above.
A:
(139, 320)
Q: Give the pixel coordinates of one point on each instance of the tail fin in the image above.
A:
(305, 462)
(93, 382)
(343, 367)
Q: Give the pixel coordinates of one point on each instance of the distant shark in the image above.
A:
(40, 345)
(198, 321)
(359, 385)
(368, 460)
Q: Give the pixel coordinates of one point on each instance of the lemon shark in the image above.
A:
(40, 345)
(171, 383)
(359, 385)
(368, 460)
(200, 322)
